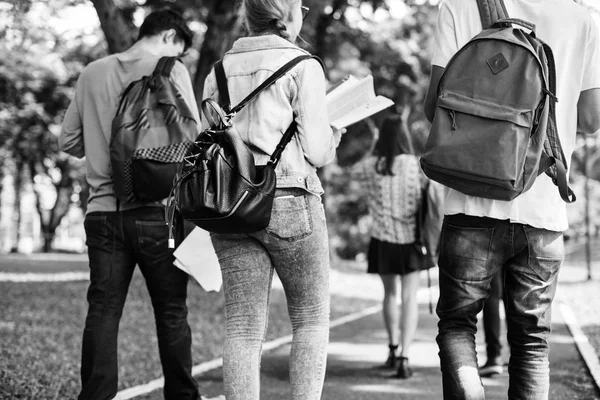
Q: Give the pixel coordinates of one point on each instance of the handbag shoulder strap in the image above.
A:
(226, 102)
(491, 11)
(222, 82)
(222, 86)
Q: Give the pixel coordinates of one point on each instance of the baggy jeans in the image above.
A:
(295, 245)
(117, 241)
(473, 249)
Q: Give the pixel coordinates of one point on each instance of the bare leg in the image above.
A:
(390, 307)
(410, 311)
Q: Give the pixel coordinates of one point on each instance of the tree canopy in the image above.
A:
(46, 43)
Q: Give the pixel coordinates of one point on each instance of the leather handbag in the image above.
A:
(219, 188)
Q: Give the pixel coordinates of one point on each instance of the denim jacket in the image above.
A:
(299, 96)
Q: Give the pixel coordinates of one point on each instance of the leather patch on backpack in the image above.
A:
(497, 63)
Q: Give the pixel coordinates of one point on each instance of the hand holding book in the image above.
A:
(337, 135)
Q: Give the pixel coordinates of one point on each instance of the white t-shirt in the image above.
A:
(574, 38)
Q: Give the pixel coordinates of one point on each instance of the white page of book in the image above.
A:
(354, 100)
(363, 111)
(344, 86)
(350, 95)
(196, 256)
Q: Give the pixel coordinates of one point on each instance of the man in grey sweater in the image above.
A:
(119, 238)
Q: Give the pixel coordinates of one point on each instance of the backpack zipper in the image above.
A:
(453, 118)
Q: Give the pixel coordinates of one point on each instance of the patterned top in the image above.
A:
(393, 199)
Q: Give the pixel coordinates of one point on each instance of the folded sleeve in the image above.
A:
(70, 139)
(445, 44)
(310, 112)
(591, 66)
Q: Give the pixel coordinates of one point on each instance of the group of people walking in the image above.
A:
(479, 236)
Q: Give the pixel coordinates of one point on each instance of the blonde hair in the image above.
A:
(266, 16)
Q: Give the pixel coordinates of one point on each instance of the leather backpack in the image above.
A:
(494, 129)
(219, 188)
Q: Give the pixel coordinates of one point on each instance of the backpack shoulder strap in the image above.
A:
(226, 102)
(491, 11)
(164, 66)
(553, 160)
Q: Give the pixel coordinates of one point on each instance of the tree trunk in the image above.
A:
(51, 219)
(321, 32)
(48, 239)
(323, 24)
(18, 187)
(2, 174)
(222, 28)
(117, 26)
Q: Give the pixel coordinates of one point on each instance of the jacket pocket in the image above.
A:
(477, 137)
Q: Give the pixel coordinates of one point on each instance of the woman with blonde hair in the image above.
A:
(295, 243)
(395, 182)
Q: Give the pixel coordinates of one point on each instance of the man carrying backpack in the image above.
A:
(524, 234)
(121, 234)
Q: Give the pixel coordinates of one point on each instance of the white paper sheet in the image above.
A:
(196, 256)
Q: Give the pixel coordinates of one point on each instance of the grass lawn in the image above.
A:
(41, 325)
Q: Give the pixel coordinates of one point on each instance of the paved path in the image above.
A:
(358, 348)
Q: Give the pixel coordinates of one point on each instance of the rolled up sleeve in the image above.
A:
(70, 139)
(310, 108)
(445, 44)
(591, 72)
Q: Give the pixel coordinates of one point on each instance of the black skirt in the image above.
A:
(397, 259)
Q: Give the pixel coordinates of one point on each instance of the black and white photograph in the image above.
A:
(300, 199)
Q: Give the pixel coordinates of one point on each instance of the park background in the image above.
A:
(45, 44)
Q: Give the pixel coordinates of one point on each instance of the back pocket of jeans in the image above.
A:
(466, 251)
(153, 238)
(291, 218)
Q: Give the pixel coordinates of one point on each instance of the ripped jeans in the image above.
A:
(295, 245)
(473, 249)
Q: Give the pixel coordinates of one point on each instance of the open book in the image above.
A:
(353, 100)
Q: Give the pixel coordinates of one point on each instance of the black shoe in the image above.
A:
(392, 360)
(404, 370)
(493, 366)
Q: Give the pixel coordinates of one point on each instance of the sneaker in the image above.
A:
(492, 367)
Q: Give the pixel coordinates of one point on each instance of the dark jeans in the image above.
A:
(473, 249)
(116, 243)
(492, 324)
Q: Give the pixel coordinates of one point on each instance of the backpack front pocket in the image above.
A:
(480, 139)
(153, 171)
